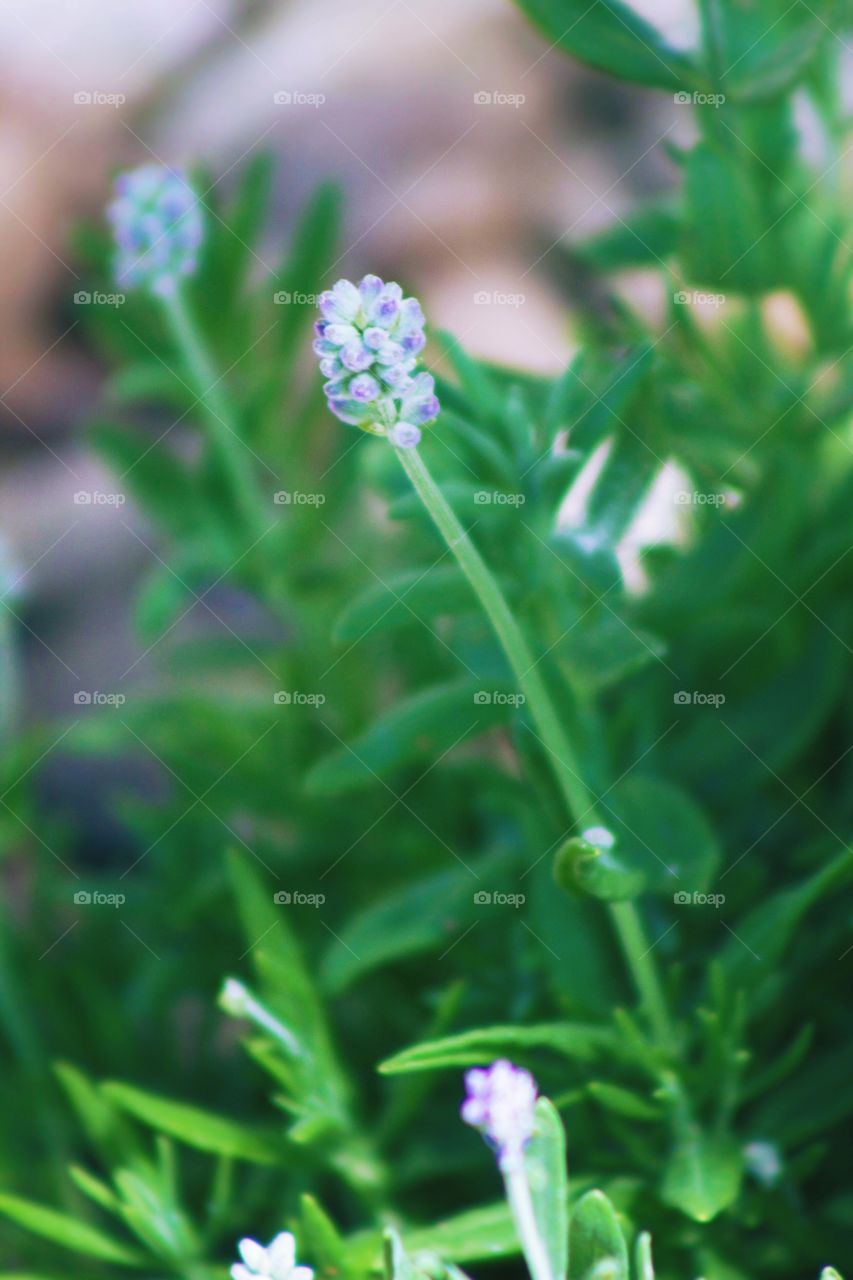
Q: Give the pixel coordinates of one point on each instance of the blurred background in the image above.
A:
(469, 154)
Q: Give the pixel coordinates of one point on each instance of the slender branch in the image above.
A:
(578, 797)
(521, 1207)
(579, 800)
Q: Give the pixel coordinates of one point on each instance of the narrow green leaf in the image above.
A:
(643, 1265)
(418, 917)
(320, 1241)
(425, 725)
(762, 49)
(195, 1127)
(94, 1188)
(723, 243)
(765, 933)
(104, 1127)
(645, 238)
(662, 832)
(68, 1232)
(612, 37)
(471, 1236)
(577, 1041)
(307, 262)
(622, 1101)
(405, 600)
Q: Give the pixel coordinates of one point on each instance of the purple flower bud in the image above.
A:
(411, 313)
(419, 403)
(374, 338)
(390, 352)
(341, 304)
(404, 435)
(364, 388)
(369, 290)
(398, 377)
(341, 334)
(355, 357)
(500, 1103)
(413, 343)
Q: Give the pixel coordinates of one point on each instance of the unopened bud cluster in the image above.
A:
(368, 341)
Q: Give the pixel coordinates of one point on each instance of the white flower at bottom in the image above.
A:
(276, 1261)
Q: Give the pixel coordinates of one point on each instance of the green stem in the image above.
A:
(207, 385)
(629, 926)
(578, 797)
(580, 801)
(521, 1206)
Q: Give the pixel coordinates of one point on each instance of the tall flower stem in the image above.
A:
(579, 800)
(521, 1207)
(221, 417)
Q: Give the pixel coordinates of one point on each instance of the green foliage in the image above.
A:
(361, 829)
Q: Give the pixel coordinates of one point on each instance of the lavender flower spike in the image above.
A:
(157, 226)
(500, 1102)
(368, 341)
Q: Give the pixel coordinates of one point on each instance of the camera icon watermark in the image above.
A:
(298, 98)
(696, 899)
(497, 498)
(83, 298)
(495, 898)
(296, 898)
(498, 698)
(686, 498)
(95, 498)
(698, 298)
(495, 298)
(94, 698)
(498, 98)
(97, 98)
(296, 498)
(286, 298)
(288, 698)
(696, 698)
(95, 898)
(698, 99)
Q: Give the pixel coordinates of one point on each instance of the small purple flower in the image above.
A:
(404, 436)
(364, 388)
(373, 332)
(500, 1103)
(157, 227)
(340, 304)
(420, 404)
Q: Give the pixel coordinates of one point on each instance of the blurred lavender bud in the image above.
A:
(157, 226)
(368, 341)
